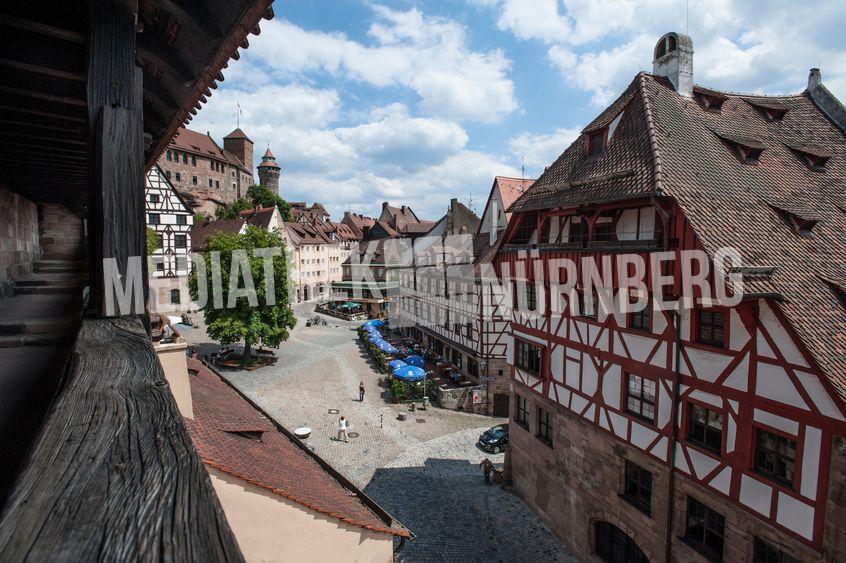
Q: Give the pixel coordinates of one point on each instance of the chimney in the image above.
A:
(673, 58)
(814, 79)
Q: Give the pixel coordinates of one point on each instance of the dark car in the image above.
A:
(495, 439)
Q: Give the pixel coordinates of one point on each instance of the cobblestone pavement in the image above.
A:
(424, 470)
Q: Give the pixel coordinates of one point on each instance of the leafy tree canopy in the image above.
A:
(153, 241)
(257, 195)
(255, 322)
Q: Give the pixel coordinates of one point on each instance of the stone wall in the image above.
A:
(224, 186)
(62, 233)
(19, 244)
(579, 480)
(461, 398)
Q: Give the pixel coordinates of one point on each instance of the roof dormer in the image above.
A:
(813, 156)
(747, 149)
(772, 111)
(709, 99)
(797, 215)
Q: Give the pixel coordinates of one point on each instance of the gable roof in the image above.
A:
(665, 145)
(260, 217)
(237, 134)
(273, 461)
(201, 231)
(197, 143)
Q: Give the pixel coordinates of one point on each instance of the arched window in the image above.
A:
(174, 297)
(612, 545)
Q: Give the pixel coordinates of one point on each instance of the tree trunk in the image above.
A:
(247, 352)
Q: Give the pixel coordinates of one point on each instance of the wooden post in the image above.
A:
(116, 157)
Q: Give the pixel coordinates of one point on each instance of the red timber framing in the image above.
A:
(761, 378)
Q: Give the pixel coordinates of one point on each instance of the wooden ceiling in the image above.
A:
(181, 46)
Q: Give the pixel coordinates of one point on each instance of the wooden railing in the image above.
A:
(113, 474)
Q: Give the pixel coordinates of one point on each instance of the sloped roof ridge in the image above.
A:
(742, 94)
(650, 127)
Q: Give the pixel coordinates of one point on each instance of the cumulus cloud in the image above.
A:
(539, 150)
(408, 49)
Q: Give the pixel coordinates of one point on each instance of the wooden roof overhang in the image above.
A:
(181, 49)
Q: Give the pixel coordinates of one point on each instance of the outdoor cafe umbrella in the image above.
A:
(374, 338)
(396, 364)
(374, 323)
(409, 373)
(385, 346)
(414, 360)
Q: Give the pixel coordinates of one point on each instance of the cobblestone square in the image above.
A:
(424, 470)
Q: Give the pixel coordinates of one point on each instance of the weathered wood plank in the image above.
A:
(113, 474)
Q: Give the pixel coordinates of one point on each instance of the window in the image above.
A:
(705, 428)
(468, 330)
(641, 320)
(612, 545)
(544, 426)
(638, 487)
(194, 180)
(167, 174)
(193, 160)
(521, 412)
(577, 230)
(711, 327)
(605, 231)
(178, 177)
(472, 367)
(211, 164)
(765, 552)
(154, 198)
(174, 297)
(527, 356)
(456, 328)
(184, 158)
(217, 184)
(169, 156)
(531, 296)
(211, 183)
(181, 220)
(159, 266)
(705, 529)
(640, 397)
(596, 142)
(456, 358)
(775, 456)
(153, 219)
(180, 241)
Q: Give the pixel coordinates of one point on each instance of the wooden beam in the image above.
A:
(42, 70)
(43, 96)
(51, 116)
(43, 29)
(49, 126)
(113, 474)
(46, 138)
(47, 151)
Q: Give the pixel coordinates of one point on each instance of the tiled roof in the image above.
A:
(237, 134)
(665, 145)
(201, 231)
(260, 217)
(512, 188)
(303, 233)
(232, 436)
(235, 161)
(197, 143)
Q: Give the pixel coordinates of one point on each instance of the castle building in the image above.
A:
(705, 433)
(269, 171)
(206, 175)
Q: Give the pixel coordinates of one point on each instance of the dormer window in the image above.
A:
(797, 215)
(772, 111)
(597, 141)
(814, 157)
(709, 99)
(747, 150)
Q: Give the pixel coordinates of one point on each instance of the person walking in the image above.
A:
(342, 428)
(487, 466)
(360, 391)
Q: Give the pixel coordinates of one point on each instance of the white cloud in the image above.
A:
(541, 150)
(429, 55)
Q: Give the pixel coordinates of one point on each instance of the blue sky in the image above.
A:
(415, 102)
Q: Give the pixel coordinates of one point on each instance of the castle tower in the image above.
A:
(241, 146)
(269, 171)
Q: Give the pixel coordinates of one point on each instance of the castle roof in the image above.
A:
(237, 134)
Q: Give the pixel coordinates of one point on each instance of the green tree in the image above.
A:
(154, 241)
(252, 323)
(232, 210)
(263, 196)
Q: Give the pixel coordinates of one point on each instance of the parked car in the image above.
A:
(495, 439)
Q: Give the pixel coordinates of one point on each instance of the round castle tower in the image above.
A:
(268, 171)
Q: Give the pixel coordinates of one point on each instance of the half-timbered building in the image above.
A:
(707, 432)
(171, 218)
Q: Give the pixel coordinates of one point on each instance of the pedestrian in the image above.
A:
(342, 428)
(360, 391)
(487, 466)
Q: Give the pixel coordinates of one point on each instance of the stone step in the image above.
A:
(52, 279)
(55, 288)
(57, 266)
(48, 339)
(37, 326)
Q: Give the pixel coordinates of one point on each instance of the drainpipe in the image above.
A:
(671, 478)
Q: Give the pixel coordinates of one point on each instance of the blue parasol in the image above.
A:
(396, 364)
(374, 338)
(414, 360)
(385, 346)
(409, 373)
(374, 323)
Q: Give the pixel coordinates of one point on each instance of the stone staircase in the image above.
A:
(45, 307)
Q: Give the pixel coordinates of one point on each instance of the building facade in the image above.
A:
(708, 432)
(169, 215)
(206, 175)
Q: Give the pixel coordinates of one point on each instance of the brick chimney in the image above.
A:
(673, 58)
(814, 79)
